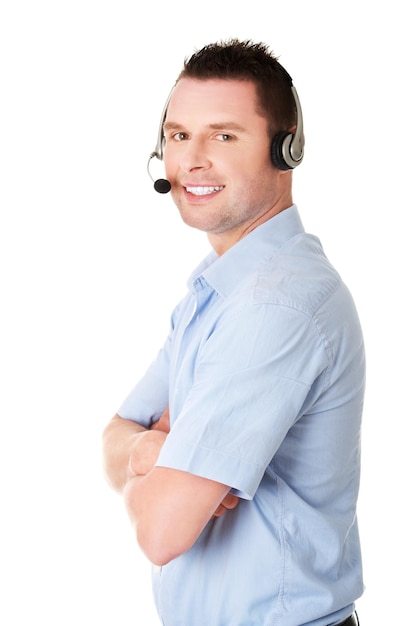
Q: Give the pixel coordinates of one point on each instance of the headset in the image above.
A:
(287, 148)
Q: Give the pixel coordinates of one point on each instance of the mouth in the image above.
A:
(204, 191)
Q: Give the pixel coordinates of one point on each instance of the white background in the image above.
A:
(93, 260)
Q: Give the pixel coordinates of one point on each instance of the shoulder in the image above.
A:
(299, 275)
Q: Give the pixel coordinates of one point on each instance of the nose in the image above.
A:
(194, 155)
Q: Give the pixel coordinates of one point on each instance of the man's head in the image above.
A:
(228, 102)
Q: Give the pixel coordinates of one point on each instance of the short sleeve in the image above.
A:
(252, 377)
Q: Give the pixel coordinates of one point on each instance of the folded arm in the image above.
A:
(168, 508)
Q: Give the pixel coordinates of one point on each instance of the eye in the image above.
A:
(180, 136)
(223, 137)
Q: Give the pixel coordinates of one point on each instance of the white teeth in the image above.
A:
(203, 191)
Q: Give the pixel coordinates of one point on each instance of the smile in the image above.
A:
(204, 191)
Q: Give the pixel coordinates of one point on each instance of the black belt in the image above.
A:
(350, 621)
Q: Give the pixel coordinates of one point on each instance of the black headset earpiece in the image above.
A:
(277, 150)
(287, 148)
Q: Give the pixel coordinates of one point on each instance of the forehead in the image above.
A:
(213, 99)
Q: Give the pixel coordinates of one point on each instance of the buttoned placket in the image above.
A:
(187, 338)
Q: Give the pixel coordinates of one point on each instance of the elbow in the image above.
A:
(154, 534)
(155, 550)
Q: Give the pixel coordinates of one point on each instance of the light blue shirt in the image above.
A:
(264, 373)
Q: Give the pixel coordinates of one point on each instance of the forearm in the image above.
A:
(169, 509)
(119, 438)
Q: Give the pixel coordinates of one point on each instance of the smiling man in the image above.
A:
(238, 452)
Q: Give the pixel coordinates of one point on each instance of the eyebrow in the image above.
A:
(214, 126)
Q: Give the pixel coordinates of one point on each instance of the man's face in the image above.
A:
(217, 158)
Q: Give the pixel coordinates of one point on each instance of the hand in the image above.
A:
(145, 452)
(147, 447)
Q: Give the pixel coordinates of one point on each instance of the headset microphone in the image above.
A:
(162, 185)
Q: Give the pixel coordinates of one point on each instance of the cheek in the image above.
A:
(253, 172)
(169, 162)
(166, 164)
(256, 159)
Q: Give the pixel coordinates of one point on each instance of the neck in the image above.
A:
(221, 242)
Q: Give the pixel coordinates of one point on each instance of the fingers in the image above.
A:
(228, 503)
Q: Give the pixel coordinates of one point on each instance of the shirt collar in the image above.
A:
(224, 273)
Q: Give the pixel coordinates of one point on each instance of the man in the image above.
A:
(238, 453)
